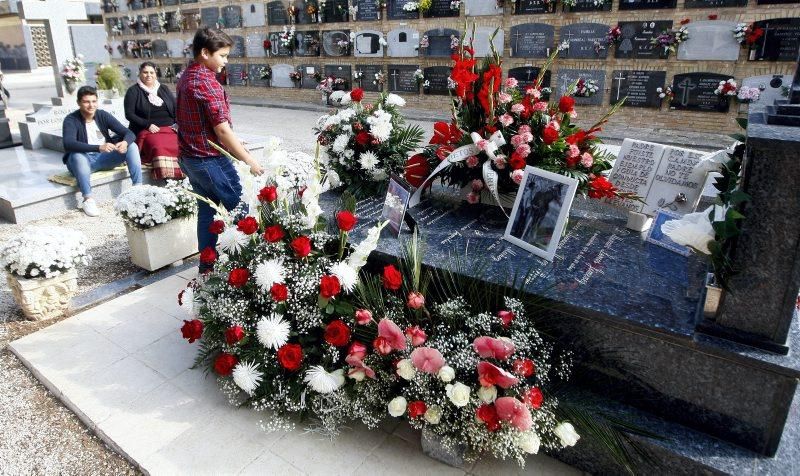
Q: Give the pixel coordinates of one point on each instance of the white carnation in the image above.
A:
(528, 442)
(458, 394)
(567, 434)
(487, 394)
(397, 406)
(406, 370)
(433, 414)
(340, 143)
(446, 374)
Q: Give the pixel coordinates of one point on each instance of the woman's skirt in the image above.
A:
(160, 151)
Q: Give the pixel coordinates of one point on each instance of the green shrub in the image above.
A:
(110, 77)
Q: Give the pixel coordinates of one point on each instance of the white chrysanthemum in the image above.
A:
(273, 331)
(247, 376)
(381, 131)
(322, 381)
(368, 160)
(232, 240)
(348, 276)
(379, 175)
(395, 100)
(336, 96)
(332, 179)
(187, 301)
(340, 143)
(346, 99)
(269, 273)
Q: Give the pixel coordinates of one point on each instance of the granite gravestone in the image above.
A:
(175, 47)
(335, 11)
(303, 17)
(639, 87)
(695, 92)
(403, 43)
(437, 80)
(584, 40)
(235, 71)
(532, 40)
(368, 44)
(526, 76)
(331, 40)
(340, 71)
(772, 87)
(276, 47)
(307, 71)
(255, 45)
(232, 16)
(565, 77)
(209, 16)
(276, 13)
(368, 10)
(635, 40)
(141, 25)
(367, 81)
(394, 11)
(253, 15)
(645, 4)
(238, 50)
(306, 43)
(529, 7)
(710, 40)
(401, 78)
(280, 76)
(780, 41)
(441, 9)
(136, 5)
(155, 26)
(439, 42)
(714, 3)
(160, 49)
(173, 23)
(188, 1)
(589, 6)
(255, 75)
(481, 41)
(475, 8)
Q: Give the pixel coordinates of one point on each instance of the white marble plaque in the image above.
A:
(772, 86)
(481, 41)
(403, 43)
(254, 44)
(253, 14)
(280, 76)
(710, 40)
(475, 8)
(175, 47)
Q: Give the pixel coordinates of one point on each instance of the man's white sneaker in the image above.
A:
(90, 207)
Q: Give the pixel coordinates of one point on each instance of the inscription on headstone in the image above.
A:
(238, 48)
(172, 22)
(475, 8)
(403, 43)
(589, 6)
(695, 92)
(155, 26)
(532, 40)
(235, 74)
(710, 40)
(368, 10)
(307, 71)
(141, 24)
(368, 44)
(188, 1)
(232, 16)
(253, 15)
(585, 40)
(255, 45)
(565, 77)
(526, 76)
(169, 3)
(276, 13)
(306, 43)
(276, 47)
(646, 4)
(160, 49)
(367, 81)
(481, 42)
(137, 5)
(636, 36)
(772, 87)
(255, 75)
(336, 43)
(335, 11)
(780, 41)
(394, 10)
(209, 16)
(439, 42)
(280, 76)
(441, 9)
(714, 3)
(401, 79)
(528, 7)
(639, 87)
(437, 80)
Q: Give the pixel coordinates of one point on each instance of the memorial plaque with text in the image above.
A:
(155, 26)
(585, 40)
(209, 16)
(368, 10)
(639, 87)
(276, 47)
(589, 6)
(238, 48)
(367, 81)
(255, 75)
(695, 92)
(772, 86)
(394, 11)
(188, 1)
(532, 7)
(441, 9)
(307, 71)
(335, 11)
(526, 76)
(160, 49)
(714, 3)
(232, 16)
(235, 71)
(142, 25)
(567, 76)
(336, 43)
(646, 4)
(172, 23)
(780, 41)
(481, 41)
(475, 8)
(307, 43)
(255, 45)
(276, 13)
(137, 5)
(340, 71)
(175, 47)
(635, 40)
(439, 42)
(437, 80)
(401, 79)
(532, 40)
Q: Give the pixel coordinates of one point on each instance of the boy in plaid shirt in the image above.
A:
(203, 114)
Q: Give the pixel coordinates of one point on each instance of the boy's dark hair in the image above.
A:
(146, 64)
(86, 91)
(210, 39)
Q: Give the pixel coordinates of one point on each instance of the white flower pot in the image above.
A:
(45, 298)
(164, 244)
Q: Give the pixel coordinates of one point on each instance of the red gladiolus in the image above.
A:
(600, 187)
(357, 94)
(192, 330)
(392, 278)
(290, 356)
(549, 135)
(566, 104)
(208, 255)
(490, 85)
(268, 194)
(216, 227)
(329, 287)
(279, 292)
(234, 334)
(337, 333)
(247, 225)
(301, 246)
(416, 409)
(346, 220)
(417, 170)
(533, 398)
(274, 233)
(238, 277)
(523, 367)
(225, 363)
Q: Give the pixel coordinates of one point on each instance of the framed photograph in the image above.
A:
(657, 237)
(396, 203)
(540, 211)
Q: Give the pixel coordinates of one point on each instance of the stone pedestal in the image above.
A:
(42, 299)
(760, 306)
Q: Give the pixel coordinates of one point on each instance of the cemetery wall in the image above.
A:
(603, 66)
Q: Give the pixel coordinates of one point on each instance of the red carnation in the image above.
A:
(517, 162)
(487, 413)
(549, 135)
(192, 330)
(216, 227)
(417, 170)
(363, 138)
(329, 287)
(279, 292)
(234, 334)
(346, 220)
(416, 409)
(208, 255)
(238, 277)
(566, 104)
(301, 246)
(600, 187)
(225, 363)
(290, 356)
(247, 225)
(357, 94)
(523, 367)
(268, 194)
(533, 398)
(267, 44)
(337, 333)
(392, 279)
(685, 21)
(274, 233)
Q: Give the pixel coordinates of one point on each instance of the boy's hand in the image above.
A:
(106, 147)
(122, 147)
(256, 168)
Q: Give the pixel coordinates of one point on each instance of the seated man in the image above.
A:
(88, 146)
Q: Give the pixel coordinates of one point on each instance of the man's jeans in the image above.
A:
(82, 164)
(216, 179)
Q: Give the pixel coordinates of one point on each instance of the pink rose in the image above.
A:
(393, 335)
(511, 83)
(587, 160)
(490, 374)
(500, 162)
(491, 348)
(417, 335)
(504, 98)
(363, 316)
(517, 108)
(472, 161)
(415, 300)
(506, 120)
(523, 150)
(426, 359)
(477, 185)
(515, 412)
(540, 106)
(473, 198)
(517, 175)
(573, 151)
(524, 129)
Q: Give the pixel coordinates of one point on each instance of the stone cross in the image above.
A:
(55, 14)
(619, 80)
(516, 41)
(687, 86)
(394, 78)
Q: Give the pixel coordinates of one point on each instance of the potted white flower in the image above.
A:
(160, 222)
(41, 264)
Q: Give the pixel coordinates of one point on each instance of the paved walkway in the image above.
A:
(123, 368)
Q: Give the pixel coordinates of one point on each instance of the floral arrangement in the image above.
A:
(727, 88)
(326, 85)
(43, 252)
(109, 77)
(665, 93)
(419, 76)
(244, 77)
(455, 4)
(614, 35)
(187, 50)
(265, 72)
(286, 37)
(296, 76)
(162, 20)
(669, 40)
(747, 34)
(748, 94)
(358, 74)
(343, 45)
(365, 143)
(147, 206)
(73, 72)
(380, 79)
(586, 88)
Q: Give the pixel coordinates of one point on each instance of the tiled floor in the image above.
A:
(124, 369)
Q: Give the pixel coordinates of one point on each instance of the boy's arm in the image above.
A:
(118, 128)
(234, 146)
(69, 135)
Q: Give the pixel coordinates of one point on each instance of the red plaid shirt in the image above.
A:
(202, 104)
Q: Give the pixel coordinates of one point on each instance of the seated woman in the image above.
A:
(150, 110)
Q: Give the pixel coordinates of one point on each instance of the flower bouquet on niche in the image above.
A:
(499, 128)
(365, 143)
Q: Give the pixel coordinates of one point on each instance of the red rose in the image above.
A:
(247, 225)
(382, 345)
(208, 255)
(346, 220)
(417, 170)
(238, 277)
(290, 356)
(279, 292)
(533, 398)
(301, 246)
(363, 138)
(267, 44)
(225, 363)
(234, 334)
(216, 227)
(274, 233)
(329, 286)
(549, 135)
(713, 17)
(523, 367)
(392, 279)
(357, 94)
(506, 317)
(268, 194)
(192, 330)
(337, 333)
(487, 413)
(517, 162)
(416, 409)
(566, 104)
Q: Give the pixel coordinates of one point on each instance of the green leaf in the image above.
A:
(329, 308)
(742, 121)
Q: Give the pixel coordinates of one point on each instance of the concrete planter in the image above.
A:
(164, 244)
(432, 446)
(47, 298)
